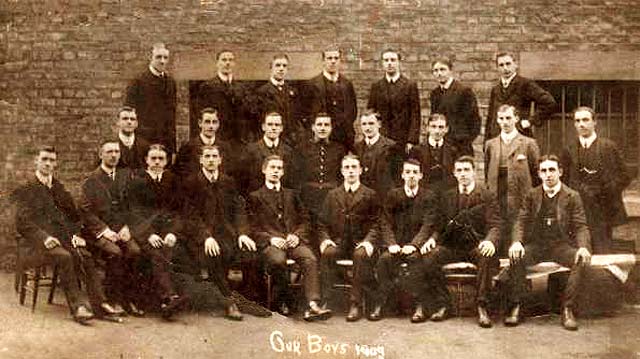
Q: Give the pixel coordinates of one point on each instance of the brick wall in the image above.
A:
(64, 64)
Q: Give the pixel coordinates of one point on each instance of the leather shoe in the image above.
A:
(568, 319)
(376, 314)
(315, 312)
(231, 312)
(82, 314)
(111, 310)
(172, 304)
(284, 309)
(418, 315)
(134, 310)
(440, 315)
(354, 313)
(513, 318)
(483, 317)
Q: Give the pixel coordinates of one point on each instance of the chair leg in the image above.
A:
(24, 280)
(269, 290)
(17, 279)
(36, 286)
(54, 284)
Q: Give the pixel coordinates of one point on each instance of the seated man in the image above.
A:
(155, 223)
(550, 225)
(105, 211)
(280, 224)
(349, 230)
(48, 221)
(133, 148)
(464, 226)
(403, 233)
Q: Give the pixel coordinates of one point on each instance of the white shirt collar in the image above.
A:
(269, 143)
(208, 141)
(508, 137)
(276, 83)
(354, 187)
(156, 72)
(553, 190)
(225, 78)
(506, 82)
(447, 84)
(273, 186)
(393, 79)
(127, 140)
(108, 171)
(45, 180)
(330, 77)
(470, 187)
(588, 141)
(433, 142)
(411, 192)
(155, 176)
(211, 176)
(372, 141)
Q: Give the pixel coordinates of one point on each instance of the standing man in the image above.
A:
(153, 95)
(334, 95)
(594, 167)
(458, 103)
(464, 226)
(349, 228)
(510, 160)
(397, 100)
(132, 148)
(519, 92)
(551, 225)
(280, 225)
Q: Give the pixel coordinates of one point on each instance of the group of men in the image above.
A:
(401, 202)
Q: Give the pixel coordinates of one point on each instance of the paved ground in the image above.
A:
(50, 333)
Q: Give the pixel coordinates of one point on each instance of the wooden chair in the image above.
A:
(31, 274)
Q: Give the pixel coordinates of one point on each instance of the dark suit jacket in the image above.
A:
(43, 212)
(250, 167)
(268, 98)
(342, 108)
(613, 175)
(105, 202)
(154, 206)
(380, 163)
(422, 153)
(459, 105)
(348, 225)
(570, 216)
(399, 106)
(188, 158)
(520, 93)
(264, 219)
(134, 157)
(403, 217)
(154, 99)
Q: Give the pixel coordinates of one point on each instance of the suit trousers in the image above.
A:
(276, 262)
(121, 272)
(160, 260)
(388, 271)
(363, 271)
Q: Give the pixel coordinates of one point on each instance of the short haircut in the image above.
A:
(550, 157)
(159, 46)
(206, 110)
(109, 140)
(587, 109)
(46, 148)
(157, 147)
(210, 147)
(412, 161)
(371, 112)
(389, 49)
(505, 53)
(279, 55)
(442, 60)
(436, 117)
(219, 53)
(332, 48)
(270, 114)
(505, 107)
(270, 158)
(466, 159)
(125, 109)
(321, 114)
(349, 156)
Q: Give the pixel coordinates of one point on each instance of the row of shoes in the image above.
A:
(112, 312)
(313, 312)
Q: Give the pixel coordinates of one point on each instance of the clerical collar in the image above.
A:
(211, 176)
(273, 186)
(45, 180)
(108, 171)
(506, 82)
(156, 176)
(508, 137)
(411, 192)
(209, 141)
(588, 141)
(447, 84)
(330, 77)
(372, 141)
(127, 140)
(434, 143)
(276, 83)
(394, 78)
(353, 187)
(552, 191)
(225, 78)
(269, 143)
(469, 189)
(156, 72)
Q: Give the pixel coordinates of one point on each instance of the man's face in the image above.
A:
(160, 59)
(437, 129)
(506, 66)
(321, 128)
(110, 154)
(226, 62)
(441, 72)
(279, 68)
(391, 63)
(210, 159)
(549, 173)
(464, 173)
(507, 120)
(369, 125)
(332, 61)
(272, 126)
(156, 160)
(584, 122)
(127, 121)
(351, 170)
(273, 171)
(209, 124)
(411, 174)
(46, 162)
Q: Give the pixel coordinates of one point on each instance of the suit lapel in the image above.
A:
(517, 143)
